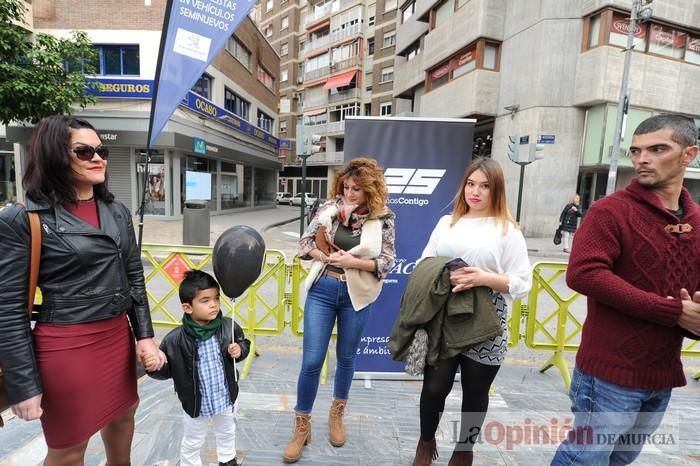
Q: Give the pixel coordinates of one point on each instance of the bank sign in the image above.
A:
(143, 89)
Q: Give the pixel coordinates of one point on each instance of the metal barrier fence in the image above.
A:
(551, 320)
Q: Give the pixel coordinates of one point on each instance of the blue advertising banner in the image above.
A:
(424, 161)
(194, 32)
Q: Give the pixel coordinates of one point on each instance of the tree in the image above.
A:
(41, 77)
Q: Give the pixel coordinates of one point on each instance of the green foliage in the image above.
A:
(43, 76)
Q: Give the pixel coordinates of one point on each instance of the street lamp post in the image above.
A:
(641, 14)
(303, 158)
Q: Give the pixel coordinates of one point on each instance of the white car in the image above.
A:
(283, 197)
(308, 202)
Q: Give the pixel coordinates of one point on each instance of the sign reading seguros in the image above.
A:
(405, 182)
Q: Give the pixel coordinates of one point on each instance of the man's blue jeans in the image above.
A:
(609, 422)
(327, 301)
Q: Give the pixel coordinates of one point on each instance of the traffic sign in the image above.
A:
(176, 268)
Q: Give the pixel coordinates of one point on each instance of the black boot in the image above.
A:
(233, 462)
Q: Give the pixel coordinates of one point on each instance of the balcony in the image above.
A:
(335, 127)
(316, 44)
(408, 73)
(600, 74)
(317, 14)
(326, 158)
(347, 63)
(317, 129)
(477, 91)
(342, 34)
(319, 101)
(317, 74)
(344, 95)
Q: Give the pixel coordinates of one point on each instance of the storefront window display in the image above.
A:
(231, 192)
(195, 183)
(155, 190)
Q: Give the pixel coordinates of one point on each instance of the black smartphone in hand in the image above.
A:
(455, 264)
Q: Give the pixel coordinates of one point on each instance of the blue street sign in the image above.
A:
(545, 139)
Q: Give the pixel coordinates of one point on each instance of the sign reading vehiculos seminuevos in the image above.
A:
(194, 31)
(424, 161)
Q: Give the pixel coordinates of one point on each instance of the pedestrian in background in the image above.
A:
(351, 244)
(200, 362)
(483, 233)
(568, 220)
(77, 369)
(637, 259)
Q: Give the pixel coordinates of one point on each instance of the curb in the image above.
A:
(280, 223)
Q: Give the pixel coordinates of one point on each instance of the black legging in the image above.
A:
(437, 383)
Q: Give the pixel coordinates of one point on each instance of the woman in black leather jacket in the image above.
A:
(76, 370)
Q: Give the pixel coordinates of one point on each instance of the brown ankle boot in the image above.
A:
(301, 437)
(461, 458)
(426, 452)
(336, 430)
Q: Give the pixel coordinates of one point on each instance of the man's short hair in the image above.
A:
(684, 131)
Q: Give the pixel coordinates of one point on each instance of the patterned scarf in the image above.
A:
(350, 215)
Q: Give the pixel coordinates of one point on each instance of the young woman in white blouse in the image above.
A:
(481, 231)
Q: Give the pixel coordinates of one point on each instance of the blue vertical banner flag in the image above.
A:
(194, 31)
(424, 161)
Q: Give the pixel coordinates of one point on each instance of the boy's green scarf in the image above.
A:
(198, 331)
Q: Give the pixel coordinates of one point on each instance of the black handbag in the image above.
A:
(557, 236)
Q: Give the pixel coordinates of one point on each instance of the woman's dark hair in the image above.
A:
(194, 281)
(48, 175)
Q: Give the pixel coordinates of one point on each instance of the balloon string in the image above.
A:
(233, 337)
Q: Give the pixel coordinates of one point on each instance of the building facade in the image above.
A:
(221, 139)
(550, 72)
(337, 61)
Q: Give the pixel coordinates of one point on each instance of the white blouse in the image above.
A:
(482, 243)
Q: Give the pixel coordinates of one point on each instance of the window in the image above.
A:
(234, 103)
(341, 112)
(284, 49)
(371, 15)
(371, 21)
(265, 121)
(594, 31)
(442, 13)
(385, 109)
(692, 51)
(285, 23)
(389, 39)
(267, 31)
(239, 51)
(667, 41)
(412, 51)
(390, 5)
(203, 86)
(618, 32)
(463, 62)
(283, 126)
(266, 78)
(407, 11)
(120, 60)
(370, 47)
(387, 74)
(268, 5)
(284, 75)
(302, 46)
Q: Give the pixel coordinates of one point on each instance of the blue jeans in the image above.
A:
(327, 301)
(609, 420)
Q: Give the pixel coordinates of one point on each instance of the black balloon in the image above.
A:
(238, 258)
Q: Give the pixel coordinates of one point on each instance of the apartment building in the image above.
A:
(223, 134)
(336, 61)
(548, 71)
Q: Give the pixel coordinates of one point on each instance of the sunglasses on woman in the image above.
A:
(86, 153)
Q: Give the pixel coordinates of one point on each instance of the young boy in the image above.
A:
(200, 362)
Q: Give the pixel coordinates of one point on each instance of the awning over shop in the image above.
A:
(340, 80)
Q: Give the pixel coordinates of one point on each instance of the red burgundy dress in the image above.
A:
(88, 370)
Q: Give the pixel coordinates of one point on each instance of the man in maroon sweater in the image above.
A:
(637, 259)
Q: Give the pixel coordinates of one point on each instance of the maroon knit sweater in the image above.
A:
(627, 265)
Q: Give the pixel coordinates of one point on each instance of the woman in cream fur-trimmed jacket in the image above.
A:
(351, 244)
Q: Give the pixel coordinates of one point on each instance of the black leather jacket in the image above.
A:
(85, 275)
(181, 350)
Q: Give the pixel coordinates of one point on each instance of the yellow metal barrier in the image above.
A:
(259, 311)
(552, 324)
